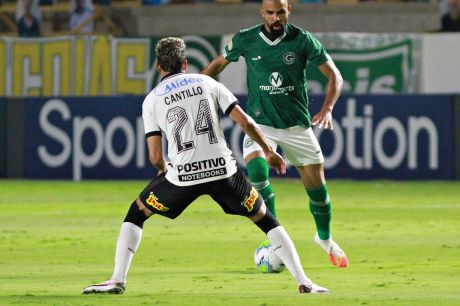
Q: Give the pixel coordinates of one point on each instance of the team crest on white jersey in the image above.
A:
(289, 58)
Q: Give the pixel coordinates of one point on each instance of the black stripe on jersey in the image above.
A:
(154, 133)
(230, 108)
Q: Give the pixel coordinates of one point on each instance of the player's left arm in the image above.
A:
(216, 66)
(334, 87)
(156, 158)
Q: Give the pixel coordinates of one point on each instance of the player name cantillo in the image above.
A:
(187, 93)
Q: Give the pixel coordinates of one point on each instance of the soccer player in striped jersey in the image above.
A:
(185, 108)
(276, 55)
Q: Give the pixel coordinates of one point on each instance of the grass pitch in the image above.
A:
(402, 240)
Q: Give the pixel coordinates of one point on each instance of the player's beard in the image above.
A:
(279, 31)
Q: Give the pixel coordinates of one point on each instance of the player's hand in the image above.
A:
(323, 119)
(276, 161)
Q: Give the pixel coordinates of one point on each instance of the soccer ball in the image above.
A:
(266, 260)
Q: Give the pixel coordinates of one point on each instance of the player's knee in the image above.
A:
(259, 214)
(267, 223)
(257, 169)
(136, 215)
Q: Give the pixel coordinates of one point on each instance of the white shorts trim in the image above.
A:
(299, 144)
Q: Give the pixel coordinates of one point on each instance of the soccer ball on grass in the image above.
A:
(266, 260)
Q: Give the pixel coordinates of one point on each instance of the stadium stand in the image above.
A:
(55, 18)
(134, 17)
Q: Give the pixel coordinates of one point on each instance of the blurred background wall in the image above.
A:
(70, 96)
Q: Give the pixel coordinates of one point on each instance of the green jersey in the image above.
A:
(276, 80)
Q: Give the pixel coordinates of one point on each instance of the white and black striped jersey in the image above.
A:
(185, 107)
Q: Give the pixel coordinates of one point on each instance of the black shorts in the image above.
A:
(235, 195)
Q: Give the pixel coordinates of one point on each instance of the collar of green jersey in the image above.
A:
(277, 40)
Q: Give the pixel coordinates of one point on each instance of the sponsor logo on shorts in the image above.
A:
(249, 142)
(249, 201)
(153, 201)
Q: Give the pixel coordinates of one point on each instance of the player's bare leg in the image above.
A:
(127, 244)
(285, 249)
(312, 177)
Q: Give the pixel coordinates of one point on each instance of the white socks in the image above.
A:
(285, 249)
(130, 238)
(127, 243)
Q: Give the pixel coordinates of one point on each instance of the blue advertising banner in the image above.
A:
(79, 138)
(374, 136)
(389, 136)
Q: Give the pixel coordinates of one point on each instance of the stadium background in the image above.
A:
(398, 116)
(70, 110)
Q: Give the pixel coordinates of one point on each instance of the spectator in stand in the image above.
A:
(450, 21)
(28, 16)
(81, 15)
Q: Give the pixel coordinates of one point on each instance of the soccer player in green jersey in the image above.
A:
(276, 54)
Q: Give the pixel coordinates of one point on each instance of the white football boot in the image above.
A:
(110, 287)
(312, 288)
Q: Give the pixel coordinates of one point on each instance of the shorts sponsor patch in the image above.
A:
(249, 201)
(152, 200)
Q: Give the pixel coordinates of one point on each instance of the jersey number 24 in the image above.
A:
(204, 125)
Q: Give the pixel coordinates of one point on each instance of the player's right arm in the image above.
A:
(250, 127)
(216, 66)
(232, 51)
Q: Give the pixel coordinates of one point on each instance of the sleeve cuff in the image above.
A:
(154, 133)
(230, 108)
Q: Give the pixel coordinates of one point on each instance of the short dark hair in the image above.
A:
(170, 53)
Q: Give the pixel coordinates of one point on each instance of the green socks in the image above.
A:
(320, 207)
(258, 176)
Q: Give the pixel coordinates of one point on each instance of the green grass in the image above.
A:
(402, 240)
